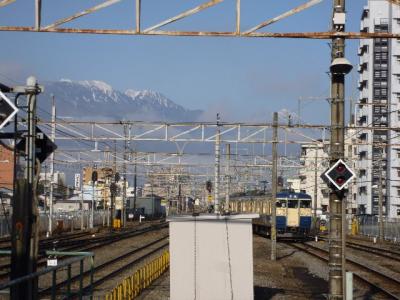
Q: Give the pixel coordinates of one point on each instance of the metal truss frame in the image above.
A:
(87, 157)
(204, 132)
(155, 29)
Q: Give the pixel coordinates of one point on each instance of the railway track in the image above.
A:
(394, 255)
(5, 244)
(386, 253)
(108, 264)
(379, 281)
(88, 244)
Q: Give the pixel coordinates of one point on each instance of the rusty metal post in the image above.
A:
(380, 203)
(51, 194)
(274, 185)
(315, 189)
(217, 166)
(228, 177)
(124, 191)
(339, 68)
(25, 238)
(138, 13)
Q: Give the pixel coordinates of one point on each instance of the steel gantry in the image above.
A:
(204, 132)
(40, 9)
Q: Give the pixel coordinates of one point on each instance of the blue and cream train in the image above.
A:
(293, 212)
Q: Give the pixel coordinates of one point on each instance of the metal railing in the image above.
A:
(369, 226)
(76, 257)
(133, 285)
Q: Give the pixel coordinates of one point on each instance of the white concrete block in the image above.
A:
(211, 257)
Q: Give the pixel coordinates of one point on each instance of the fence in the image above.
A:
(369, 226)
(133, 285)
(70, 221)
(74, 257)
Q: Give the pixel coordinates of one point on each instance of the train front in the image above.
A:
(293, 214)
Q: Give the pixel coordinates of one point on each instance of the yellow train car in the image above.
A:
(293, 212)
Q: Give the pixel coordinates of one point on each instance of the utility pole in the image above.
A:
(274, 184)
(45, 189)
(94, 180)
(228, 177)
(113, 186)
(92, 207)
(315, 187)
(53, 136)
(123, 212)
(217, 167)
(381, 229)
(135, 185)
(339, 68)
(25, 238)
(179, 197)
(82, 226)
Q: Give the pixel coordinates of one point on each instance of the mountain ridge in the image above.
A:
(94, 99)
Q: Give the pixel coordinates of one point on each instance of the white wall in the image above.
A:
(211, 257)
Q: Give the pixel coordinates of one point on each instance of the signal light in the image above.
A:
(340, 168)
(339, 174)
(340, 180)
(208, 186)
(94, 176)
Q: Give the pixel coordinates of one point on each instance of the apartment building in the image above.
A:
(379, 108)
(315, 159)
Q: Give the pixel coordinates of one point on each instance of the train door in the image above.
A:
(293, 213)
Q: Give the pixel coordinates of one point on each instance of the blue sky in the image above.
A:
(243, 78)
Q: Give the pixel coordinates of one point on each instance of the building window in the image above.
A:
(362, 154)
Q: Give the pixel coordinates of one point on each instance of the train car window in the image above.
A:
(281, 203)
(293, 203)
(305, 204)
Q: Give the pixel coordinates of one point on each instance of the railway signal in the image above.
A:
(209, 186)
(43, 146)
(7, 110)
(94, 176)
(339, 175)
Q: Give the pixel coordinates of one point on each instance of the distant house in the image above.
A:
(150, 206)
(6, 166)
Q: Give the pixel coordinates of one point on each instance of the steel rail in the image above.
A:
(309, 249)
(103, 265)
(98, 243)
(50, 239)
(123, 268)
(377, 251)
(394, 255)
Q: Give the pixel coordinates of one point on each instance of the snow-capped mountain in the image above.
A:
(92, 99)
